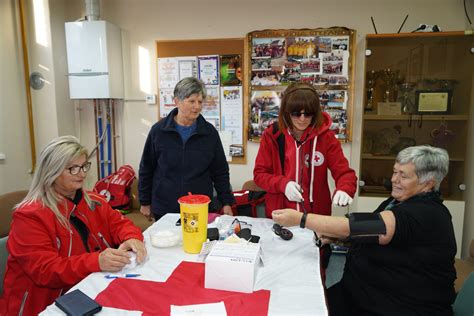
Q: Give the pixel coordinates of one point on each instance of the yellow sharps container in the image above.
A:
(194, 210)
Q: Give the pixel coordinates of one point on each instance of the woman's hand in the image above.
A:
(135, 245)
(113, 260)
(227, 210)
(287, 217)
(341, 198)
(146, 211)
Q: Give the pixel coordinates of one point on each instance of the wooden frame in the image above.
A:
(433, 101)
(324, 57)
(201, 47)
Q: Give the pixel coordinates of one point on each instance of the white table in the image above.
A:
(291, 270)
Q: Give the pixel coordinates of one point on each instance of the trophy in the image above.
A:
(407, 104)
(372, 77)
(391, 79)
(447, 84)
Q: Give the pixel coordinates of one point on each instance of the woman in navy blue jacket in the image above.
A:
(183, 153)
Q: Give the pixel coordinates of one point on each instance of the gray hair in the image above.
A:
(54, 158)
(430, 162)
(189, 86)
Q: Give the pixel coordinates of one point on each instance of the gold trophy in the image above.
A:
(372, 77)
(391, 79)
(408, 105)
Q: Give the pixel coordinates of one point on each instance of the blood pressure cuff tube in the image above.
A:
(366, 227)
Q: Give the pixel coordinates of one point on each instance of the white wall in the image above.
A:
(145, 21)
(13, 114)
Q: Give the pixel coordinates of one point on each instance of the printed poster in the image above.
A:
(232, 112)
(209, 69)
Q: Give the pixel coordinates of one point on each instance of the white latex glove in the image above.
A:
(341, 198)
(293, 192)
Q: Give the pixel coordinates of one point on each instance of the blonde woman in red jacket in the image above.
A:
(61, 233)
(294, 157)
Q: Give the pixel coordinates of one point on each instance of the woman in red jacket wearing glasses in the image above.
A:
(295, 155)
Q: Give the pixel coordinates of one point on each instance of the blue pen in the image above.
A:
(128, 275)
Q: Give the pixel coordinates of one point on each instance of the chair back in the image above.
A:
(3, 260)
(7, 203)
(464, 303)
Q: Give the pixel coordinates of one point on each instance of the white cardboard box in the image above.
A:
(232, 267)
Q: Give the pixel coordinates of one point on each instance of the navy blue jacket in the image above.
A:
(170, 168)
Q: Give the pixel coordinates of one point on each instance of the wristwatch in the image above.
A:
(303, 220)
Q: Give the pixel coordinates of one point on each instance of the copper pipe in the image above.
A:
(26, 70)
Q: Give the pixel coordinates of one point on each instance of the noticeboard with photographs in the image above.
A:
(321, 57)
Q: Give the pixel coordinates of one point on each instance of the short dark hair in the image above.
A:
(189, 86)
(296, 98)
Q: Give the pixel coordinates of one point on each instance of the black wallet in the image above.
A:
(76, 303)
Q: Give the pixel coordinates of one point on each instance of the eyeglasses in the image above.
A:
(298, 114)
(76, 169)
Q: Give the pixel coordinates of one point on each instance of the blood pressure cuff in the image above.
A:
(366, 227)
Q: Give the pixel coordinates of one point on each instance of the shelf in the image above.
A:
(426, 117)
(419, 34)
(392, 158)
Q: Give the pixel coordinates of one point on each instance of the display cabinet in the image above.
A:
(418, 90)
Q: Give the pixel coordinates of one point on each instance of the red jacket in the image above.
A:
(319, 146)
(46, 259)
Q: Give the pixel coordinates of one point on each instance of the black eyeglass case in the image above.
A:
(76, 303)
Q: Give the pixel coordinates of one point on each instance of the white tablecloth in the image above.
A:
(291, 270)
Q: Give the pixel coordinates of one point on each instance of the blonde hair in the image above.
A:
(54, 158)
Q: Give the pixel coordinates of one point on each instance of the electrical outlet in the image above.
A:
(150, 99)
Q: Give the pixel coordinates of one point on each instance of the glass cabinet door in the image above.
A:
(418, 90)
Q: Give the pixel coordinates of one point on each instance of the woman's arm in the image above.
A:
(344, 177)
(334, 227)
(38, 254)
(264, 173)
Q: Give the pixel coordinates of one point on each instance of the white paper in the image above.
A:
(226, 139)
(214, 309)
(187, 67)
(166, 101)
(236, 252)
(208, 69)
(211, 106)
(168, 75)
(232, 112)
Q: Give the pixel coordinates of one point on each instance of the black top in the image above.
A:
(170, 168)
(77, 223)
(414, 274)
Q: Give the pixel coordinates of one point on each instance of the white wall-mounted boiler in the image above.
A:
(94, 57)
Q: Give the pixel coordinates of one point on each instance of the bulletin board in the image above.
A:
(323, 57)
(207, 48)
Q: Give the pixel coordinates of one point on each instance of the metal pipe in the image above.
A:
(26, 73)
(92, 10)
(114, 135)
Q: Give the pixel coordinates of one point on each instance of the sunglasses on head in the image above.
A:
(298, 114)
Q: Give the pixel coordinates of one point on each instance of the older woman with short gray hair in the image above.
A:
(401, 256)
(183, 153)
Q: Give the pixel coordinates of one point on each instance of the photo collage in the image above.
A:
(276, 62)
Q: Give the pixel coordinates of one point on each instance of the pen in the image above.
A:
(128, 275)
